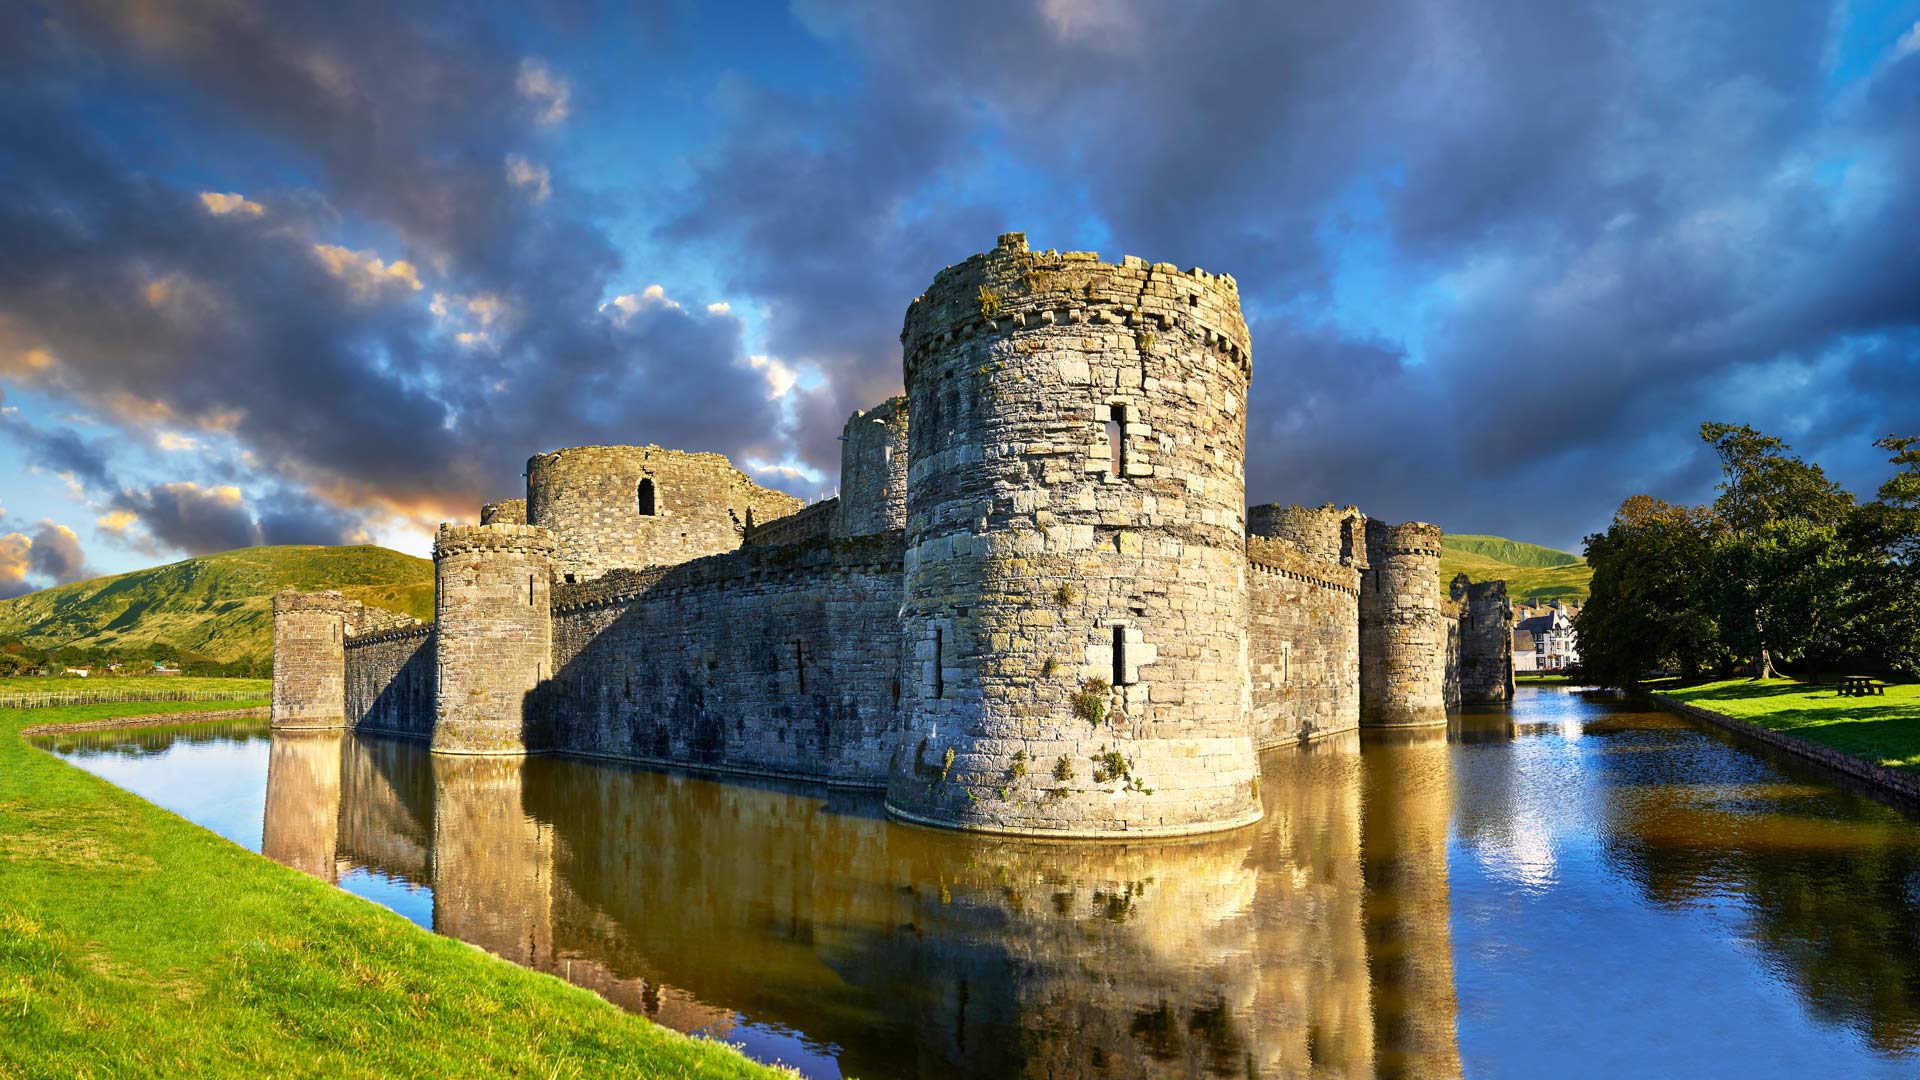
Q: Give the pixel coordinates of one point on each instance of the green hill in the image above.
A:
(1528, 569)
(220, 606)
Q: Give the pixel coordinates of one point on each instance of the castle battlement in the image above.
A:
(1039, 604)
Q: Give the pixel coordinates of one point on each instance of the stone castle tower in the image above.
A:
(1038, 605)
(1076, 579)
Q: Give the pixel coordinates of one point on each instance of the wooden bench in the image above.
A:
(1859, 686)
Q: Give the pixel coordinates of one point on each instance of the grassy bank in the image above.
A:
(1883, 730)
(1544, 680)
(133, 943)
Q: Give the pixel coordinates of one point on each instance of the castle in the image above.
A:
(1040, 607)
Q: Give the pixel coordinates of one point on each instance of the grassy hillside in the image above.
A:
(217, 605)
(1529, 569)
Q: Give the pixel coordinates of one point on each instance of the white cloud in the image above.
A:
(550, 94)
(533, 179)
(363, 271)
(780, 377)
(1909, 42)
(652, 297)
(720, 308)
(173, 440)
(222, 203)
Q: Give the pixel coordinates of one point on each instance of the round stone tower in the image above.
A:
(1076, 574)
(1403, 638)
(310, 659)
(493, 633)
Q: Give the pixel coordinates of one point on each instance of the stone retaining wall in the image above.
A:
(822, 519)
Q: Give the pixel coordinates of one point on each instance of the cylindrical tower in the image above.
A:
(1076, 574)
(873, 470)
(1403, 638)
(310, 659)
(493, 633)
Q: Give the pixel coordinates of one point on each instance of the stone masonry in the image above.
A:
(1041, 607)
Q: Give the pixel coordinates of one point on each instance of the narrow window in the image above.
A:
(939, 659)
(800, 665)
(646, 497)
(1119, 655)
(529, 590)
(569, 579)
(886, 454)
(1117, 441)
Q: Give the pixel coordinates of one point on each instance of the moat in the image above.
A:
(1567, 886)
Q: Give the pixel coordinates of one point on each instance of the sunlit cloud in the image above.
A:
(780, 378)
(364, 272)
(220, 204)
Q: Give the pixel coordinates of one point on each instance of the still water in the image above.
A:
(1570, 887)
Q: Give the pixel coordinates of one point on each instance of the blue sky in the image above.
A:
(322, 273)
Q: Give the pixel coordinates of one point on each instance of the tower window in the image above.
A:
(939, 659)
(1119, 656)
(529, 590)
(646, 497)
(1117, 441)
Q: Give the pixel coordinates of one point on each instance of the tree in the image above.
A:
(1884, 538)
(1647, 606)
(1775, 516)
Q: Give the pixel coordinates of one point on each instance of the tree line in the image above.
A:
(1785, 569)
(20, 658)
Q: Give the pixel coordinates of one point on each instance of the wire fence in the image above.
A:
(49, 699)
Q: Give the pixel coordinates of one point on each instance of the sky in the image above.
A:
(330, 273)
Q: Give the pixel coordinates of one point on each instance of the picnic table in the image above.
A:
(1859, 686)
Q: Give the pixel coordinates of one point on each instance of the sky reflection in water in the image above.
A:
(1568, 888)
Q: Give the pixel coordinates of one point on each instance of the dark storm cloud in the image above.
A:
(329, 368)
(56, 554)
(193, 519)
(1625, 215)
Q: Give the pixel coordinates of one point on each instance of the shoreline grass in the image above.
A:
(135, 943)
(1883, 729)
(60, 684)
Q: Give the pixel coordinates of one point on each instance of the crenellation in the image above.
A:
(1042, 607)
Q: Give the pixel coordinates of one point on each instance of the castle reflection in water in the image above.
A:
(1276, 950)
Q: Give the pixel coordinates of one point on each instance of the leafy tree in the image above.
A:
(1647, 605)
(1775, 547)
(1884, 536)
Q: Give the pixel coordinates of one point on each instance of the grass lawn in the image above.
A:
(127, 684)
(134, 943)
(1885, 730)
(1543, 680)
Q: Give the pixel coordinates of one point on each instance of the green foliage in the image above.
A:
(1090, 704)
(1110, 765)
(1065, 595)
(1062, 768)
(135, 943)
(1648, 609)
(1783, 567)
(1019, 767)
(990, 306)
(214, 613)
